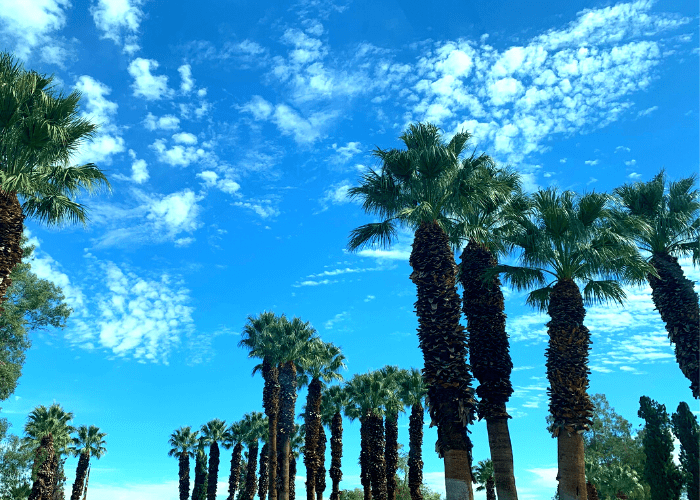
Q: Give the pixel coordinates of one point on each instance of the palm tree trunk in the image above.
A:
(288, 398)
(391, 455)
(252, 466)
(364, 460)
(271, 401)
(567, 371)
(11, 227)
(292, 477)
(45, 462)
(264, 474)
(375, 452)
(235, 471)
(592, 493)
(213, 475)
(336, 472)
(415, 445)
(81, 472)
(184, 477)
(59, 492)
(87, 480)
(490, 489)
(490, 359)
(321, 463)
(677, 302)
(199, 490)
(444, 345)
(312, 420)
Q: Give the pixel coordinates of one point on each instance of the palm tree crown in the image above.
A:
(183, 442)
(90, 440)
(55, 420)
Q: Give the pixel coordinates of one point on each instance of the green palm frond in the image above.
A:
(183, 441)
(539, 299)
(90, 439)
(603, 291)
(521, 278)
(381, 234)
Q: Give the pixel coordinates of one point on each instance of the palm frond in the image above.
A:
(521, 278)
(603, 291)
(380, 234)
(539, 298)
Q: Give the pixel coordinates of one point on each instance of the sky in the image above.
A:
(231, 132)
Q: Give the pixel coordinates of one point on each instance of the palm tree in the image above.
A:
(672, 230)
(321, 366)
(234, 438)
(40, 130)
(320, 475)
(483, 474)
(482, 222)
(199, 490)
(264, 474)
(567, 237)
(333, 402)
(296, 446)
(253, 428)
(414, 190)
(393, 405)
(252, 340)
(412, 392)
(46, 464)
(184, 443)
(213, 433)
(89, 442)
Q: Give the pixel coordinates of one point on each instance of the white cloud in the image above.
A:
(211, 179)
(258, 107)
(630, 163)
(119, 21)
(264, 208)
(648, 111)
(591, 162)
(304, 130)
(165, 122)
(174, 213)
(147, 85)
(187, 82)
(314, 283)
(504, 90)
(177, 155)
(139, 169)
(328, 325)
(336, 194)
(635, 175)
(348, 151)
(185, 138)
(94, 101)
(28, 25)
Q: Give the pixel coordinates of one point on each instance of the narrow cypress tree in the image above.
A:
(664, 478)
(685, 427)
(199, 491)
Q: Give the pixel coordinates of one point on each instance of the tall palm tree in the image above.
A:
(672, 230)
(393, 405)
(296, 445)
(213, 432)
(264, 347)
(567, 238)
(89, 442)
(264, 474)
(40, 130)
(482, 223)
(414, 189)
(412, 391)
(45, 456)
(234, 438)
(199, 490)
(320, 475)
(183, 442)
(333, 402)
(320, 367)
(253, 428)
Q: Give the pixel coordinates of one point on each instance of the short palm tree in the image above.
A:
(213, 432)
(89, 442)
(483, 475)
(234, 439)
(320, 367)
(412, 392)
(199, 490)
(40, 130)
(393, 405)
(671, 212)
(184, 443)
(415, 189)
(264, 347)
(253, 429)
(333, 403)
(567, 237)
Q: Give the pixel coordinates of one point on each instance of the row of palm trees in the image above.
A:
(571, 250)
(48, 432)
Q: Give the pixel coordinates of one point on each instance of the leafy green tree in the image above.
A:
(685, 427)
(88, 442)
(213, 433)
(567, 238)
(184, 443)
(415, 189)
(664, 478)
(40, 130)
(671, 213)
(15, 466)
(402, 482)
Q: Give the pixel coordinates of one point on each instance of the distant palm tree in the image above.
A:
(264, 474)
(234, 438)
(253, 428)
(483, 474)
(320, 366)
(672, 230)
(333, 402)
(567, 237)
(199, 491)
(414, 190)
(412, 392)
(40, 130)
(393, 405)
(296, 445)
(184, 443)
(320, 475)
(89, 442)
(213, 433)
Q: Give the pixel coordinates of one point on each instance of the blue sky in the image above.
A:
(231, 132)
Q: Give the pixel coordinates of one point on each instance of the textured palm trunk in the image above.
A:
(415, 454)
(567, 371)
(251, 472)
(364, 461)
(59, 481)
(391, 455)
(375, 455)
(11, 227)
(312, 419)
(81, 472)
(184, 477)
(321, 469)
(444, 344)
(336, 472)
(235, 471)
(490, 489)
(677, 302)
(87, 480)
(271, 400)
(213, 475)
(490, 359)
(199, 490)
(45, 464)
(292, 477)
(288, 398)
(264, 474)
(591, 492)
